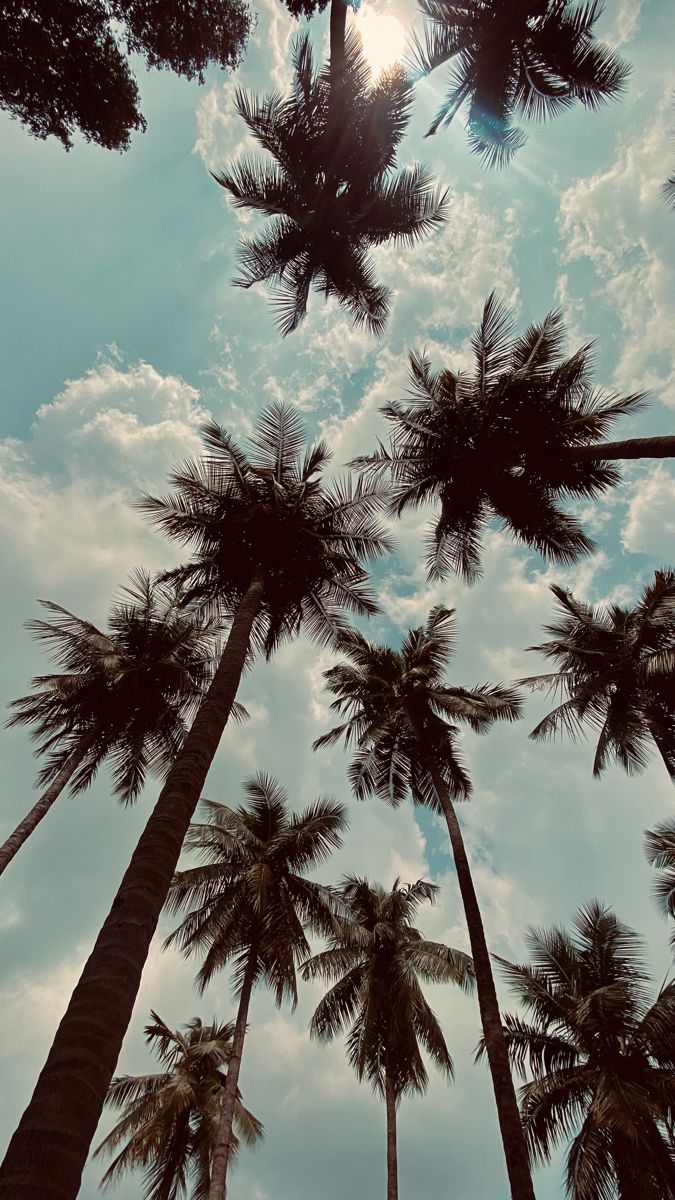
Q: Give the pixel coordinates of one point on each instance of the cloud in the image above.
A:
(649, 527)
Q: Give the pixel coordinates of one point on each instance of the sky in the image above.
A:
(120, 334)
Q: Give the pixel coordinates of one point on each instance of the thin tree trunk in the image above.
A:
(338, 26)
(221, 1154)
(392, 1153)
(653, 447)
(510, 1125)
(48, 1151)
(42, 806)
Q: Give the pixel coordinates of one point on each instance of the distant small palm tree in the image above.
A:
(249, 905)
(535, 58)
(660, 850)
(330, 188)
(402, 721)
(616, 666)
(170, 1119)
(523, 432)
(601, 1053)
(375, 961)
(124, 695)
(275, 550)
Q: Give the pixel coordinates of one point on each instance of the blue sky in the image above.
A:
(120, 333)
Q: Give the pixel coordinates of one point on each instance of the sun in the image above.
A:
(383, 39)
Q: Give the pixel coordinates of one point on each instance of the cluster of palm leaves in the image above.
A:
(276, 549)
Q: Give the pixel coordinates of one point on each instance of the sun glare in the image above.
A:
(383, 39)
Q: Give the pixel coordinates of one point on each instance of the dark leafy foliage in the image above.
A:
(375, 961)
(135, 686)
(616, 668)
(250, 897)
(266, 511)
(601, 1056)
(529, 58)
(500, 443)
(402, 720)
(660, 849)
(170, 1119)
(63, 66)
(330, 187)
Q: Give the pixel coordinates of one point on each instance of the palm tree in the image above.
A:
(402, 720)
(330, 187)
(534, 58)
(276, 551)
(601, 1053)
(375, 960)
(250, 905)
(668, 191)
(124, 695)
(170, 1119)
(660, 849)
(616, 668)
(509, 442)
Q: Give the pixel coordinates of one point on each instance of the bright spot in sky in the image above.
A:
(383, 39)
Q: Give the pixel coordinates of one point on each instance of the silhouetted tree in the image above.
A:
(508, 442)
(533, 58)
(601, 1053)
(660, 850)
(64, 65)
(375, 960)
(275, 550)
(330, 186)
(616, 668)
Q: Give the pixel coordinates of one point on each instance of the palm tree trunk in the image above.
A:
(48, 1151)
(221, 1153)
(510, 1125)
(392, 1153)
(338, 26)
(40, 809)
(653, 447)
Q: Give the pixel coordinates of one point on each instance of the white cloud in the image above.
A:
(649, 527)
(626, 22)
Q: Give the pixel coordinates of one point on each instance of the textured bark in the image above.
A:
(47, 1153)
(221, 1153)
(510, 1125)
(654, 447)
(392, 1152)
(40, 809)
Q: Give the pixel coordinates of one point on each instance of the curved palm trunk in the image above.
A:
(510, 1125)
(221, 1154)
(392, 1153)
(48, 1151)
(654, 447)
(40, 809)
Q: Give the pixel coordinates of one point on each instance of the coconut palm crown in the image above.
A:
(264, 511)
(375, 961)
(402, 719)
(616, 670)
(509, 441)
(599, 1051)
(170, 1118)
(529, 58)
(330, 188)
(660, 850)
(132, 688)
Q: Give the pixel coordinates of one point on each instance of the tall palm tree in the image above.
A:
(170, 1119)
(275, 550)
(124, 695)
(375, 960)
(402, 720)
(616, 668)
(601, 1053)
(668, 191)
(532, 58)
(249, 906)
(660, 850)
(508, 442)
(330, 187)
